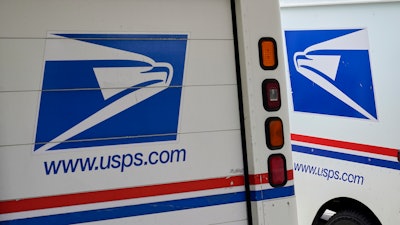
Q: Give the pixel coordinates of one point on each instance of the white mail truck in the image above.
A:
(144, 112)
(342, 58)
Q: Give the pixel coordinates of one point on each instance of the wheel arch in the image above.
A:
(342, 204)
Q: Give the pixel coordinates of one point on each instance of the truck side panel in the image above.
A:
(340, 151)
(132, 176)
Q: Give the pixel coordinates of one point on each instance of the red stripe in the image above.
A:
(346, 145)
(258, 179)
(11, 206)
(290, 175)
(263, 178)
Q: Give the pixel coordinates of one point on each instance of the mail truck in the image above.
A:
(144, 112)
(342, 59)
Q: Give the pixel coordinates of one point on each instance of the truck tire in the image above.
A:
(349, 217)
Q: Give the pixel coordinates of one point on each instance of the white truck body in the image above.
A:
(140, 112)
(342, 65)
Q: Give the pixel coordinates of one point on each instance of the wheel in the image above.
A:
(348, 217)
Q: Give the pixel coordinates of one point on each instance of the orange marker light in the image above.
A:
(274, 133)
(268, 53)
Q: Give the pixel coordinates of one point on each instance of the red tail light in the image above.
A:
(277, 172)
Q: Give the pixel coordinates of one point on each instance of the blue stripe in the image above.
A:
(132, 210)
(347, 157)
(272, 193)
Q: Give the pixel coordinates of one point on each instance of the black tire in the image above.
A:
(348, 217)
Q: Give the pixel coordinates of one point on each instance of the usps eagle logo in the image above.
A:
(109, 89)
(330, 72)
